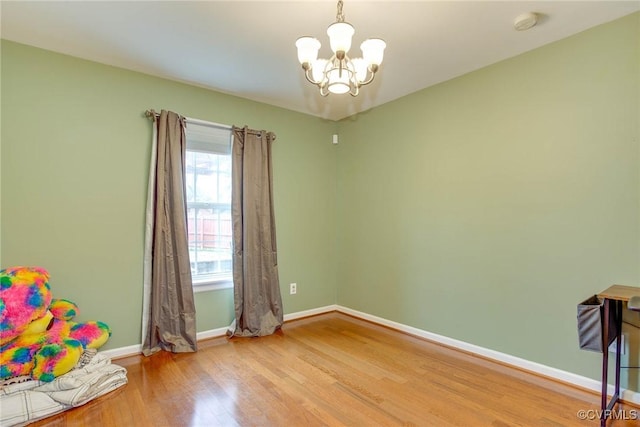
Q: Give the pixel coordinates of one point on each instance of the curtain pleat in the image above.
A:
(171, 324)
(258, 303)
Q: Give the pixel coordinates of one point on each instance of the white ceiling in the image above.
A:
(246, 48)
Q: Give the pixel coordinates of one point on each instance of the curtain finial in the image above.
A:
(151, 114)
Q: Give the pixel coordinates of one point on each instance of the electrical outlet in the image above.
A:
(623, 345)
(293, 288)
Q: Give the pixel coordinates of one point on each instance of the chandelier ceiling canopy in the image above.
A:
(340, 74)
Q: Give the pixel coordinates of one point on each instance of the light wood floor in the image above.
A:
(332, 370)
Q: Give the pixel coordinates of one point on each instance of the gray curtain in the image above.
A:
(258, 303)
(171, 324)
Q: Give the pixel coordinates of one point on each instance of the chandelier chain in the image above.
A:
(340, 15)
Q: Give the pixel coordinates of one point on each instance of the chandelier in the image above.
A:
(340, 74)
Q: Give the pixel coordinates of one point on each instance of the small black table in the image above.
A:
(613, 298)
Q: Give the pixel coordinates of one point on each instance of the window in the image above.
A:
(208, 185)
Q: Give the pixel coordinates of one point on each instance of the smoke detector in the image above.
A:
(525, 21)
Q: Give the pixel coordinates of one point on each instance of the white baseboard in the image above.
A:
(116, 353)
(133, 350)
(212, 333)
(527, 365)
(312, 312)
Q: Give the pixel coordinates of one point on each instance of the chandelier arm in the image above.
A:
(369, 80)
(307, 74)
(330, 64)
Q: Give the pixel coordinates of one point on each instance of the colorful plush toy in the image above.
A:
(37, 336)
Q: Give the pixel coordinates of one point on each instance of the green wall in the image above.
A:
(486, 207)
(75, 162)
(483, 209)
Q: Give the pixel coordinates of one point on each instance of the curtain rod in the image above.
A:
(152, 114)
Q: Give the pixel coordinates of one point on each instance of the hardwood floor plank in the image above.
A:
(332, 370)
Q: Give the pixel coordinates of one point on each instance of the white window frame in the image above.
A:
(208, 137)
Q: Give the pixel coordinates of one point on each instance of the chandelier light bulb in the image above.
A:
(308, 48)
(360, 66)
(317, 70)
(339, 80)
(340, 34)
(373, 51)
